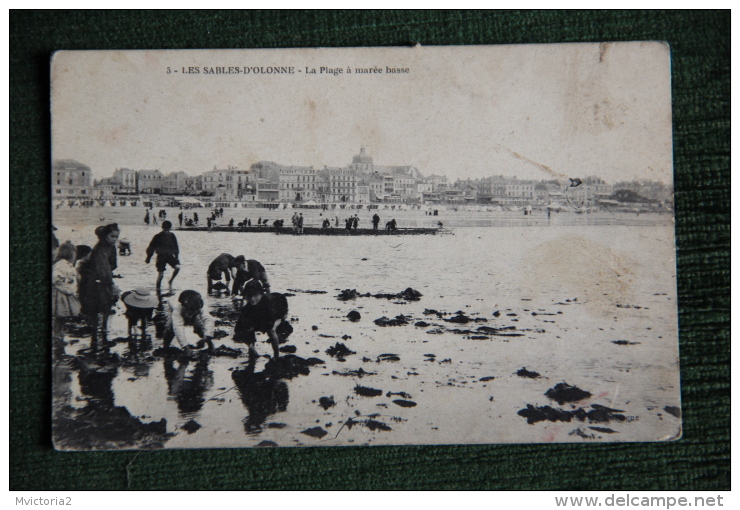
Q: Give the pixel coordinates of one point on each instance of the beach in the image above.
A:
(524, 329)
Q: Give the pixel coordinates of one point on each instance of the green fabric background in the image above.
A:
(700, 43)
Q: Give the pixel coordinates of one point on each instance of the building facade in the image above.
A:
(126, 179)
(149, 181)
(70, 179)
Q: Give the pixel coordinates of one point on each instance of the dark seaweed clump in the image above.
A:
(290, 366)
(354, 373)
(339, 351)
(598, 414)
(523, 372)
(369, 423)
(266, 444)
(461, 318)
(191, 426)
(400, 320)
(228, 352)
(387, 357)
(367, 392)
(316, 432)
(672, 410)
(563, 392)
(354, 316)
(408, 295)
(404, 403)
(327, 402)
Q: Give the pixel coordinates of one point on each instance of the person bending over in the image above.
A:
(248, 270)
(183, 314)
(225, 265)
(262, 312)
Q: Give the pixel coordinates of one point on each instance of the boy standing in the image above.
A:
(164, 244)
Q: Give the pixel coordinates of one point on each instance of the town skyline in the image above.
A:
(544, 177)
(489, 113)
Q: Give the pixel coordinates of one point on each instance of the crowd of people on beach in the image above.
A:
(83, 285)
(351, 223)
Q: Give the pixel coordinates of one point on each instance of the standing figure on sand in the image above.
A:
(64, 301)
(97, 291)
(164, 244)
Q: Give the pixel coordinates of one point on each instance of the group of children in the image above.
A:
(86, 286)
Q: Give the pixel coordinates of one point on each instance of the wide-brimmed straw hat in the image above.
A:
(141, 298)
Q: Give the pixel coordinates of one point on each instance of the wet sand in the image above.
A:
(505, 316)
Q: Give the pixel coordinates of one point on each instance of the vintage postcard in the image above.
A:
(363, 246)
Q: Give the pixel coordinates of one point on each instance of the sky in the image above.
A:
(531, 111)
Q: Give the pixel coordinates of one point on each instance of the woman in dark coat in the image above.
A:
(96, 289)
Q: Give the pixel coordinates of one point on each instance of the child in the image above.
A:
(247, 270)
(262, 312)
(225, 265)
(164, 244)
(64, 300)
(97, 291)
(140, 305)
(188, 312)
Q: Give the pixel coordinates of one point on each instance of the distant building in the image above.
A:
(174, 183)
(105, 188)
(518, 193)
(362, 163)
(297, 183)
(363, 192)
(588, 192)
(266, 170)
(342, 184)
(375, 187)
(227, 184)
(70, 179)
(266, 190)
(438, 182)
(404, 186)
(424, 186)
(149, 181)
(126, 180)
(193, 185)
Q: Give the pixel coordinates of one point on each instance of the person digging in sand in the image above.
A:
(263, 312)
(185, 313)
(224, 265)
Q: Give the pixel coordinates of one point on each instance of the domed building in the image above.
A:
(362, 162)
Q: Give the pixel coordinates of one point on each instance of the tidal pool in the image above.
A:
(588, 305)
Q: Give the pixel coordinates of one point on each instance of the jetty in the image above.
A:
(316, 231)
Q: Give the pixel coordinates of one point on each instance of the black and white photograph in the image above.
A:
(363, 246)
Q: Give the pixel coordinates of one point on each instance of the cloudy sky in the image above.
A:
(534, 111)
